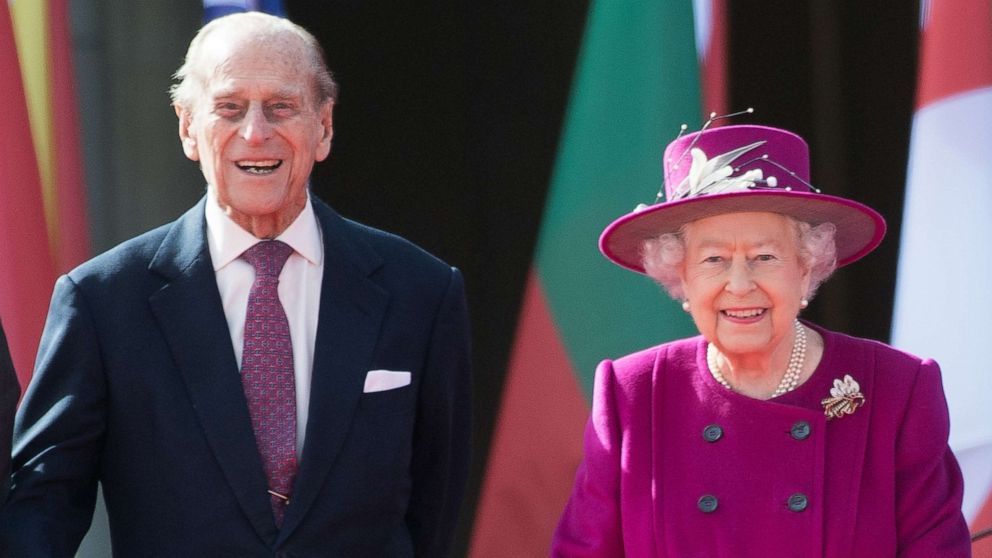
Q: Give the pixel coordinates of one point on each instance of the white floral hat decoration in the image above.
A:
(740, 168)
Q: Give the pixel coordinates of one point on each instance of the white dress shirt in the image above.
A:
(299, 290)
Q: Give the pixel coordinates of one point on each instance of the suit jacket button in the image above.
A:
(712, 433)
(707, 503)
(798, 502)
(800, 430)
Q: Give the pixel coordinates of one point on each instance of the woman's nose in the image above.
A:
(739, 279)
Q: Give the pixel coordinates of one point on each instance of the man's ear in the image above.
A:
(326, 116)
(187, 138)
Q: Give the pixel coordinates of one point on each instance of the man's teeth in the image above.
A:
(743, 313)
(259, 167)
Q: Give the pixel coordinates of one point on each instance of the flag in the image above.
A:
(42, 197)
(711, 47)
(71, 239)
(213, 9)
(635, 83)
(942, 297)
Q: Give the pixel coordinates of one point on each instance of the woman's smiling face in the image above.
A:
(744, 279)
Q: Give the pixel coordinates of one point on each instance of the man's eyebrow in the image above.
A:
(223, 94)
(288, 93)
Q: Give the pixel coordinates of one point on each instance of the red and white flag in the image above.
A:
(943, 300)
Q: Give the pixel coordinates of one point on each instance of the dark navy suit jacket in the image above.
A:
(137, 387)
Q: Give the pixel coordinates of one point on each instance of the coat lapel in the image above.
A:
(847, 442)
(352, 307)
(191, 316)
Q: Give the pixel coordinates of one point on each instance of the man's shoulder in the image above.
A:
(184, 238)
(396, 245)
(375, 246)
(134, 253)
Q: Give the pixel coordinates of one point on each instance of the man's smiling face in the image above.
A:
(257, 129)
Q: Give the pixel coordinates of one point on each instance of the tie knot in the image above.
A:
(268, 257)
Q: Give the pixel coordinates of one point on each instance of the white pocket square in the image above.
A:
(382, 380)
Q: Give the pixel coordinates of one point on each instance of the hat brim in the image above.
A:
(860, 229)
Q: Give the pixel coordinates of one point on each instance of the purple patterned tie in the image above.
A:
(267, 373)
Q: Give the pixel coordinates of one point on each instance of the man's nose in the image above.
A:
(255, 128)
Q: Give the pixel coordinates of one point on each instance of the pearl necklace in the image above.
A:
(791, 377)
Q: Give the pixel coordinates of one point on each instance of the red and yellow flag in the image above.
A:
(42, 198)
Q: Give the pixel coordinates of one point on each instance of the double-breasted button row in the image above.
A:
(799, 431)
(708, 503)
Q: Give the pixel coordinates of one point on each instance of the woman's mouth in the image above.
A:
(744, 314)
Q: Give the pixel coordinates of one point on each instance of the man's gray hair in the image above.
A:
(260, 27)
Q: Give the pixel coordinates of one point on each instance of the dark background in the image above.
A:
(449, 117)
(448, 124)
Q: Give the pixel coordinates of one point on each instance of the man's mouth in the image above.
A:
(259, 167)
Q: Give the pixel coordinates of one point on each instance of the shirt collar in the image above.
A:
(227, 240)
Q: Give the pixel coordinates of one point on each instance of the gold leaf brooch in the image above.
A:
(845, 398)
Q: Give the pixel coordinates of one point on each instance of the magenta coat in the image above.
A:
(678, 466)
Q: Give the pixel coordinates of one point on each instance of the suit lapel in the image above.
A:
(191, 316)
(351, 312)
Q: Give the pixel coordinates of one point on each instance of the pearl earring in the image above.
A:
(685, 305)
(803, 303)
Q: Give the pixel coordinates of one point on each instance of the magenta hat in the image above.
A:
(733, 169)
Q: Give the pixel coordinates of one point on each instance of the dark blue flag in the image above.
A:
(212, 9)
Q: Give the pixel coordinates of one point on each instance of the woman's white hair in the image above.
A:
(662, 256)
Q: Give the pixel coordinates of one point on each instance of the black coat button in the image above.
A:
(798, 502)
(712, 433)
(800, 430)
(707, 503)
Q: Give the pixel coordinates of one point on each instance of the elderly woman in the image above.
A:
(765, 435)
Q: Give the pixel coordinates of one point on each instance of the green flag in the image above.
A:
(636, 82)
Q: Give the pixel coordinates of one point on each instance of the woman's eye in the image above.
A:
(712, 259)
(765, 258)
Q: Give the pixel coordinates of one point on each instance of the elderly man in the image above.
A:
(261, 377)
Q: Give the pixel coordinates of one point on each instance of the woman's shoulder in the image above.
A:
(894, 371)
(678, 352)
(631, 377)
(849, 347)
